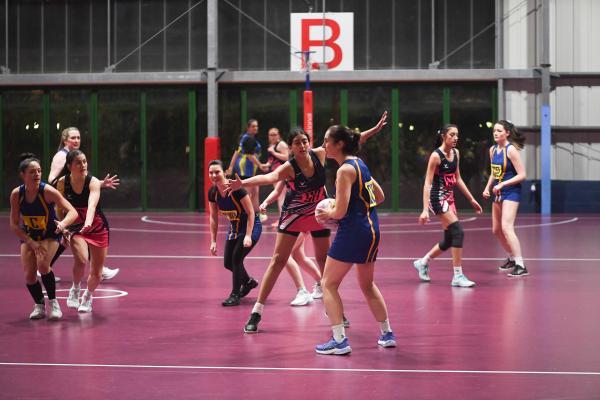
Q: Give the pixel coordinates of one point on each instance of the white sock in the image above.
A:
(425, 260)
(511, 258)
(519, 261)
(338, 332)
(258, 308)
(76, 286)
(457, 270)
(87, 294)
(385, 326)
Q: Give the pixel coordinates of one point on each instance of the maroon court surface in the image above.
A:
(158, 330)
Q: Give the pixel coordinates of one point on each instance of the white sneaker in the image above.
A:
(56, 278)
(317, 292)
(108, 273)
(423, 270)
(86, 304)
(73, 299)
(39, 311)
(55, 312)
(302, 298)
(462, 281)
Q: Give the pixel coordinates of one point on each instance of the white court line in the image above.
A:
(167, 257)
(486, 228)
(147, 219)
(368, 370)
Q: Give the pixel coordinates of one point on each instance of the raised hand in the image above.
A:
(233, 184)
(110, 182)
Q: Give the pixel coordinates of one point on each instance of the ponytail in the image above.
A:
(350, 138)
(515, 137)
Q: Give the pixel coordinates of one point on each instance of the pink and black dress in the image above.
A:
(441, 196)
(98, 235)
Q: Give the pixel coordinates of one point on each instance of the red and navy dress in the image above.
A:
(441, 195)
(98, 235)
(303, 195)
(274, 161)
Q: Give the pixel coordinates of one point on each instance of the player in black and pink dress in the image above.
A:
(443, 174)
(305, 173)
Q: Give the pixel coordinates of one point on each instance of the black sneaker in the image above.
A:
(247, 287)
(345, 321)
(232, 300)
(508, 264)
(252, 324)
(518, 270)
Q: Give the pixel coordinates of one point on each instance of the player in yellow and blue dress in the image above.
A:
(33, 204)
(243, 234)
(356, 241)
(507, 173)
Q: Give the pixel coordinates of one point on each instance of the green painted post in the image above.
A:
(46, 133)
(344, 106)
(94, 131)
(395, 151)
(293, 110)
(244, 109)
(446, 116)
(143, 151)
(192, 143)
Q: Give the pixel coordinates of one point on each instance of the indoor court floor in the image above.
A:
(158, 330)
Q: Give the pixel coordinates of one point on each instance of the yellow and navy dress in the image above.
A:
(502, 169)
(357, 238)
(231, 207)
(248, 146)
(38, 217)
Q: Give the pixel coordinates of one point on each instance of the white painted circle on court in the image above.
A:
(115, 293)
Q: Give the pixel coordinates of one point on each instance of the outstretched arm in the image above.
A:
(376, 129)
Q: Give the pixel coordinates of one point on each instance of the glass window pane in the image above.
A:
(119, 144)
(420, 117)
(458, 32)
(253, 36)
(22, 133)
(126, 35)
(359, 8)
(366, 103)
(99, 36)
(152, 22)
(3, 29)
(381, 30)
(79, 36)
(484, 45)
(471, 111)
(30, 31)
(169, 182)
(54, 37)
(407, 34)
(198, 35)
(177, 37)
(278, 22)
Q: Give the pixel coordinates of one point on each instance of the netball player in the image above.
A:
(356, 241)
(243, 234)
(278, 154)
(507, 173)
(443, 174)
(90, 234)
(33, 204)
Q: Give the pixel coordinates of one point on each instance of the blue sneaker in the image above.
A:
(333, 347)
(387, 340)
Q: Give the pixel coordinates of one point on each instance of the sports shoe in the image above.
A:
(252, 324)
(387, 340)
(302, 298)
(108, 273)
(247, 287)
(232, 300)
(317, 292)
(55, 312)
(333, 347)
(73, 299)
(508, 264)
(423, 270)
(39, 311)
(86, 304)
(56, 278)
(518, 270)
(462, 281)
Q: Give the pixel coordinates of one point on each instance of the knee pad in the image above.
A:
(456, 234)
(446, 241)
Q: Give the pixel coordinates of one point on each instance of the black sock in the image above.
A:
(36, 292)
(58, 253)
(49, 284)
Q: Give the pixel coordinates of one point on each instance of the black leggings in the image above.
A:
(233, 259)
